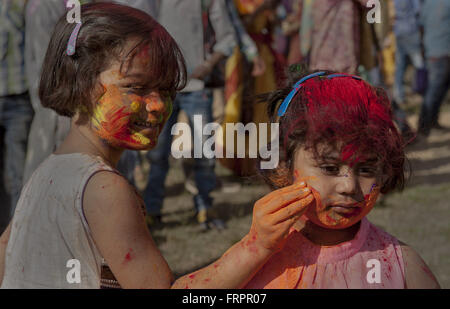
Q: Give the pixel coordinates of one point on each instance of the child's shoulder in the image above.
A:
(108, 192)
(417, 273)
(108, 187)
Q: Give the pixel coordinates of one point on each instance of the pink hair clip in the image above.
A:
(71, 46)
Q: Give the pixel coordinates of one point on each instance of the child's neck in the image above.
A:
(82, 140)
(327, 237)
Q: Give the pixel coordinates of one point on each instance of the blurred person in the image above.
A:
(376, 46)
(330, 34)
(435, 19)
(408, 42)
(16, 112)
(245, 63)
(259, 19)
(291, 29)
(183, 20)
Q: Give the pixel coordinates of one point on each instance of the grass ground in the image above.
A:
(419, 216)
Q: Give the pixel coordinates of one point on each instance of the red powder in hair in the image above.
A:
(349, 115)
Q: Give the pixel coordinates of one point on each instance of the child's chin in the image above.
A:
(141, 147)
(338, 224)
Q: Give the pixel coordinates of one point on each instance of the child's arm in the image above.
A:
(3, 244)
(117, 224)
(273, 216)
(417, 273)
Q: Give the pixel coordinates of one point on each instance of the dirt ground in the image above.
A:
(419, 216)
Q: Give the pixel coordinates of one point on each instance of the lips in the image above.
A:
(346, 210)
(146, 125)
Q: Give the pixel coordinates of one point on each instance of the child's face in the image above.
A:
(129, 114)
(343, 194)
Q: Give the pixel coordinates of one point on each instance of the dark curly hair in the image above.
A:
(347, 114)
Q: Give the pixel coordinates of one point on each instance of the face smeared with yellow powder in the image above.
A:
(128, 114)
(127, 120)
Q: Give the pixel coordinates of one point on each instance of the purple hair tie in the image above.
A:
(71, 46)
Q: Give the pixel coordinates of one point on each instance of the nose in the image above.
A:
(155, 107)
(347, 184)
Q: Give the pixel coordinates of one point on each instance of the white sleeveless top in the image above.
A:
(49, 228)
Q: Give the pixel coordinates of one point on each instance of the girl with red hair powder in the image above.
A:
(337, 136)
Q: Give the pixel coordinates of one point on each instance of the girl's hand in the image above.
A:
(274, 215)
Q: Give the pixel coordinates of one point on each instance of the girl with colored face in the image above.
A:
(129, 114)
(131, 121)
(116, 79)
(338, 138)
(344, 193)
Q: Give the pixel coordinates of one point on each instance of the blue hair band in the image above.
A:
(284, 106)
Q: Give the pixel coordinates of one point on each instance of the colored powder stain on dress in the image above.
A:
(192, 276)
(128, 256)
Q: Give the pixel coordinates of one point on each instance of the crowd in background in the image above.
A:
(234, 49)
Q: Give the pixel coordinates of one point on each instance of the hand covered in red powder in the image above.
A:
(274, 215)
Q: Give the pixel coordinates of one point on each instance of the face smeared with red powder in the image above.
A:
(343, 194)
(128, 120)
(128, 114)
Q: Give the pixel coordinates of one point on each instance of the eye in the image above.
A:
(330, 169)
(367, 171)
(136, 88)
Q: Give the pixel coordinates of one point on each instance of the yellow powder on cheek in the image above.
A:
(135, 106)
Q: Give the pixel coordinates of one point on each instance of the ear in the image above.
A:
(278, 177)
(385, 181)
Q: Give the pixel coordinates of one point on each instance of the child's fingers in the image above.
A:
(293, 211)
(284, 190)
(282, 200)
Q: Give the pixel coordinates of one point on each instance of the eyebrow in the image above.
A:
(370, 160)
(136, 76)
(338, 159)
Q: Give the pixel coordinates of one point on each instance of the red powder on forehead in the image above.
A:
(348, 111)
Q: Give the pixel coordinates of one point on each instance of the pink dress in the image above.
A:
(372, 260)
